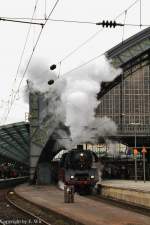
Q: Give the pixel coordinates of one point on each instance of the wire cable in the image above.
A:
(125, 15)
(94, 35)
(22, 54)
(20, 61)
(45, 15)
(80, 46)
(130, 6)
(137, 25)
(20, 21)
(84, 64)
(140, 13)
(14, 98)
(36, 44)
(38, 38)
(78, 22)
(98, 56)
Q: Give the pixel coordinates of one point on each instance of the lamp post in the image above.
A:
(135, 150)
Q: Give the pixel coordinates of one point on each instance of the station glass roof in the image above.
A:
(133, 48)
(14, 142)
(130, 48)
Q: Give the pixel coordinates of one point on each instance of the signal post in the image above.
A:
(144, 151)
(135, 160)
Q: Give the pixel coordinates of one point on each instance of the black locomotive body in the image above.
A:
(77, 168)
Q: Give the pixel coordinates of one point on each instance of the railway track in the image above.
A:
(11, 212)
(16, 210)
(120, 204)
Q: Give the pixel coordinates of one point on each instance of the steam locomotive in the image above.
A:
(77, 169)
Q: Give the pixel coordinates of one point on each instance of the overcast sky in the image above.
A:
(58, 39)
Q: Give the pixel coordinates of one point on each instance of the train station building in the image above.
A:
(126, 100)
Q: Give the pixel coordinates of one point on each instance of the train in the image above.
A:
(77, 168)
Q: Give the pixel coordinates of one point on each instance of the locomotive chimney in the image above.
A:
(80, 147)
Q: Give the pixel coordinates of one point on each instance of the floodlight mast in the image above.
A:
(135, 144)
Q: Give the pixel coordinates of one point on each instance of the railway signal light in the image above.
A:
(109, 23)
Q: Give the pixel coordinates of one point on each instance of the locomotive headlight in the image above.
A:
(72, 177)
(92, 177)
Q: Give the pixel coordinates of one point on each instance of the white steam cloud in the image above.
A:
(80, 101)
(73, 101)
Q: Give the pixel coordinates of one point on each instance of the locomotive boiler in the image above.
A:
(77, 168)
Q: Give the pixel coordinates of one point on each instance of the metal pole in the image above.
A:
(135, 138)
(144, 167)
(135, 169)
(135, 160)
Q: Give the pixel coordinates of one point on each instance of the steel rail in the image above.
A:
(2, 222)
(120, 204)
(26, 211)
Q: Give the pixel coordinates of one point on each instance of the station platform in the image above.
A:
(11, 182)
(134, 193)
(84, 210)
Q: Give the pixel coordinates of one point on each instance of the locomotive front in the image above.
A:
(77, 168)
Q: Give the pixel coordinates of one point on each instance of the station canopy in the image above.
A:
(130, 48)
(14, 142)
(133, 52)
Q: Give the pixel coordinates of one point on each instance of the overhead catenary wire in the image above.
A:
(17, 19)
(127, 9)
(24, 73)
(140, 13)
(90, 38)
(102, 54)
(137, 25)
(125, 16)
(95, 34)
(45, 14)
(88, 22)
(76, 21)
(20, 21)
(36, 44)
(21, 57)
(25, 44)
(84, 64)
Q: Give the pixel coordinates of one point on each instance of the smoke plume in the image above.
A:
(72, 101)
(80, 101)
